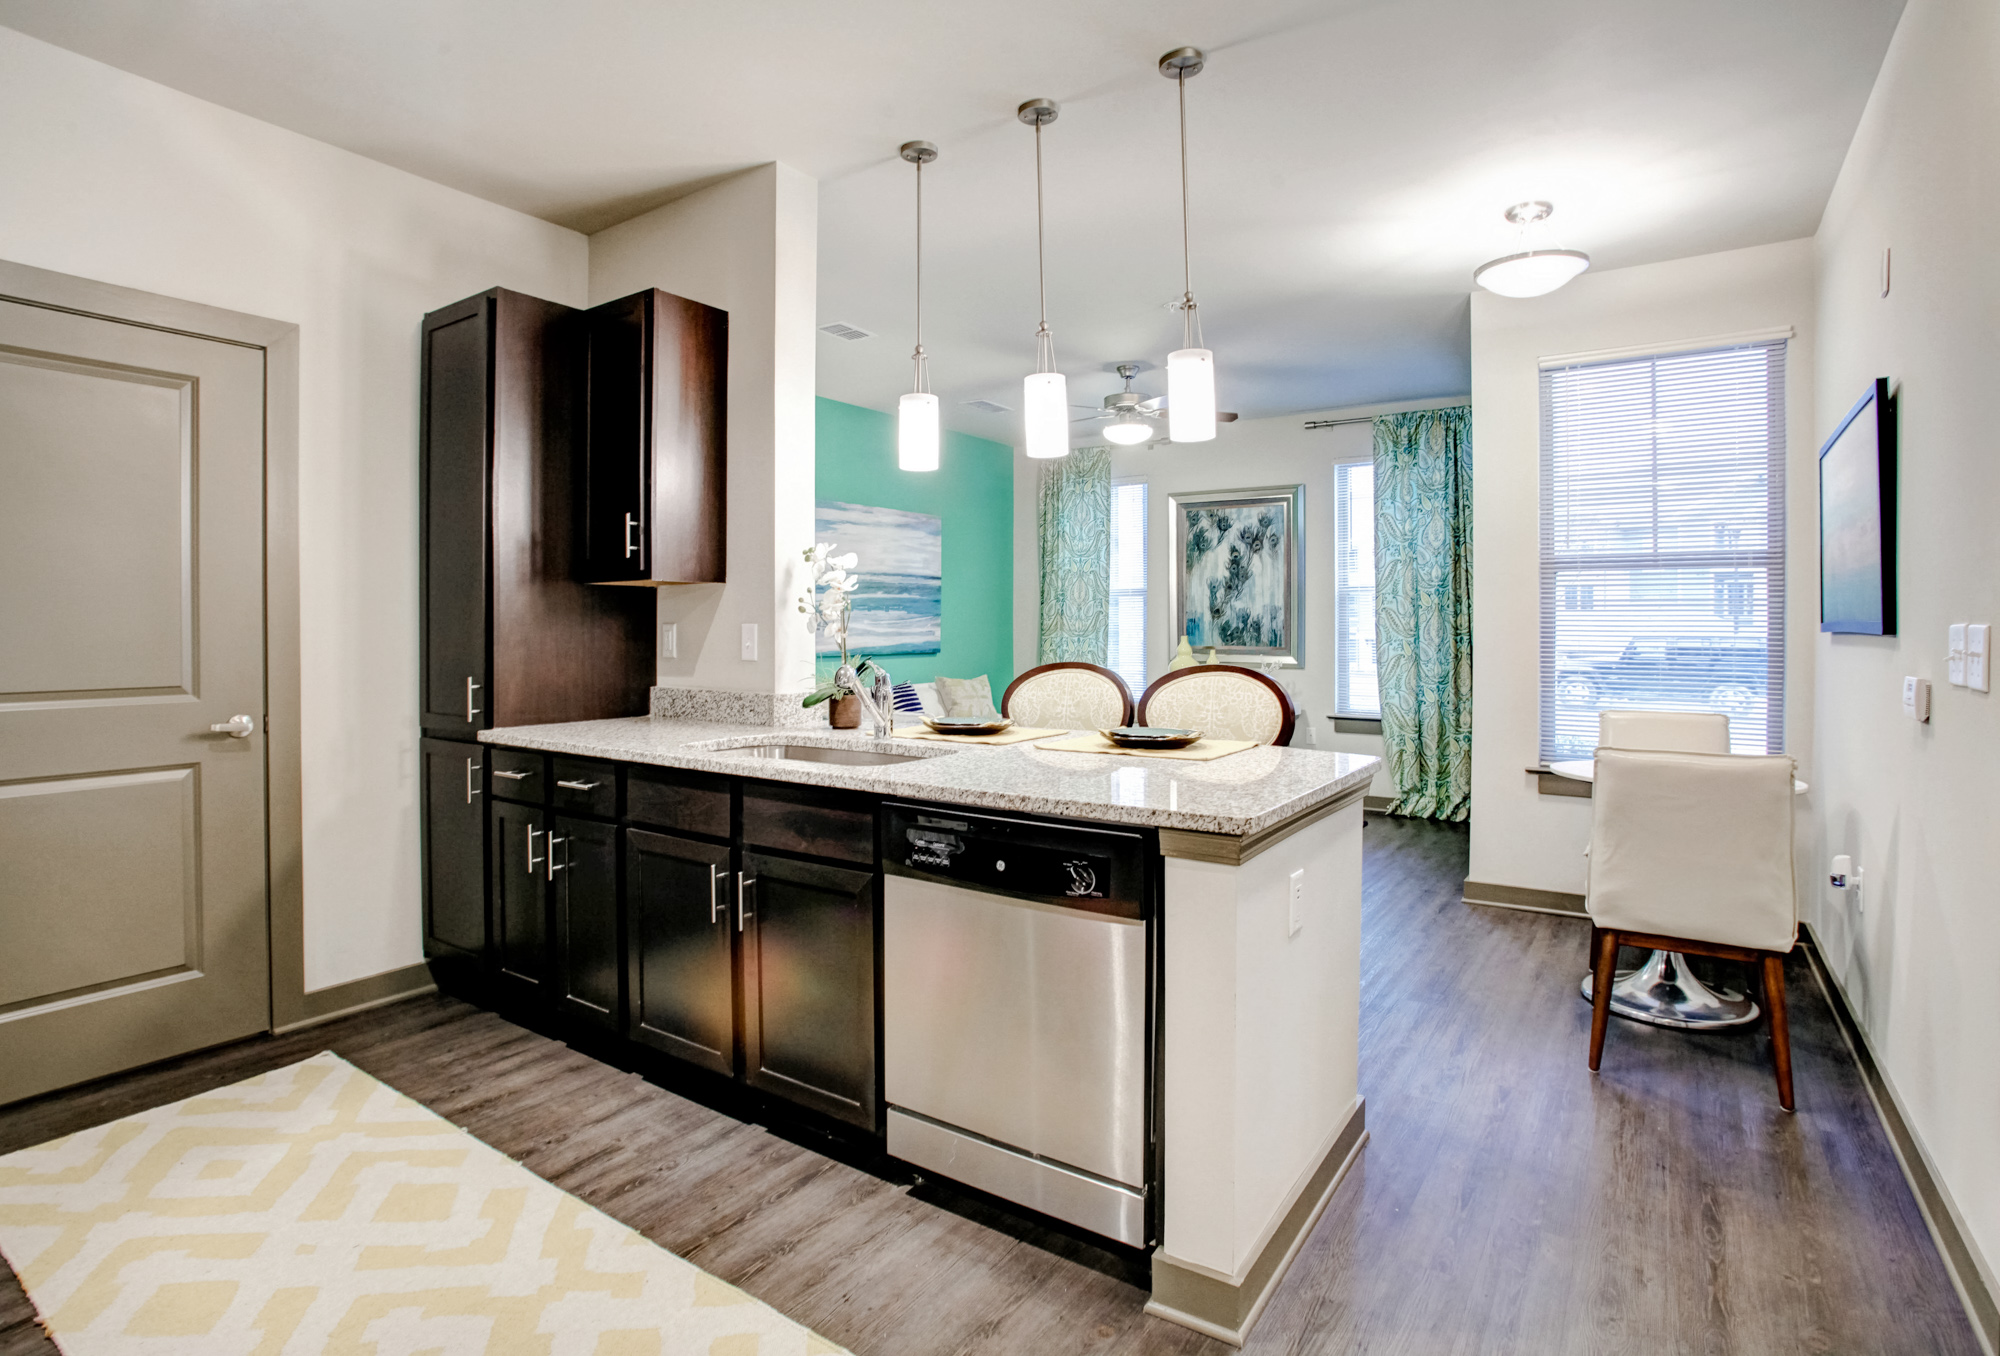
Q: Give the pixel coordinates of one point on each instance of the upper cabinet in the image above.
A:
(510, 637)
(654, 456)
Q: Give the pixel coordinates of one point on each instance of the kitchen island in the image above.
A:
(1252, 931)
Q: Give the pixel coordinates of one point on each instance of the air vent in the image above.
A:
(988, 406)
(840, 330)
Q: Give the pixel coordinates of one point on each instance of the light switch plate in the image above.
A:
(1978, 645)
(1296, 911)
(1954, 655)
(749, 640)
(670, 641)
(1917, 698)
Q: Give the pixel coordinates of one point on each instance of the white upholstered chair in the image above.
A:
(1068, 696)
(1692, 852)
(1677, 731)
(1222, 701)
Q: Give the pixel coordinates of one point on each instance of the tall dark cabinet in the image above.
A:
(510, 635)
(653, 486)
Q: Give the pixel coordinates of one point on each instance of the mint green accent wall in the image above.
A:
(973, 492)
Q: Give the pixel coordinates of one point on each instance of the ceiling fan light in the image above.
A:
(1533, 273)
(1045, 414)
(1191, 395)
(1130, 431)
(917, 432)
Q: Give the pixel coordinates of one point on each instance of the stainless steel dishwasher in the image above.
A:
(1016, 1026)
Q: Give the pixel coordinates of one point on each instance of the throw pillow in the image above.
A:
(966, 696)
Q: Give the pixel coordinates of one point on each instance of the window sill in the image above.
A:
(1548, 783)
(1362, 725)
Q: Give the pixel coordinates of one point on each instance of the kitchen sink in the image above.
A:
(820, 753)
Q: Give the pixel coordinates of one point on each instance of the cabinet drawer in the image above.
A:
(518, 775)
(816, 823)
(691, 802)
(585, 788)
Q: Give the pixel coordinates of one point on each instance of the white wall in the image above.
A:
(1916, 805)
(1519, 837)
(111, 177)
(750, 246)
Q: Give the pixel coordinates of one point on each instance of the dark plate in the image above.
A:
(1151, 737)
(967, 725)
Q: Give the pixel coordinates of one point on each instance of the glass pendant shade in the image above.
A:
(917, 432)
(1190, 395)
(1129, 431)
(1045, 413)
(1531, 274)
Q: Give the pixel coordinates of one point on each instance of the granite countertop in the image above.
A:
(1242, 794)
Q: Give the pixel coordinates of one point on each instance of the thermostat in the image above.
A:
(1917, 698)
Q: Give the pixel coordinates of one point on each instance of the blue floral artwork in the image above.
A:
(1236, 574)
(899, 608)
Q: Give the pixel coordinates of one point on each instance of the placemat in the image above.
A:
(1016, 735)
(1201, 751)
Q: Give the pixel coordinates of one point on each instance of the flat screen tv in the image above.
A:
(1857, 519)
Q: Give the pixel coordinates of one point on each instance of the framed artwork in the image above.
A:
(899, 608)
(1857, 519)
(1238, 573)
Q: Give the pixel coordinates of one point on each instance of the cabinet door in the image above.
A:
(518, 873)
(455, 470)
(680, 916)
(454, 848)
(617, 442)
(583, 861)
(809, 985)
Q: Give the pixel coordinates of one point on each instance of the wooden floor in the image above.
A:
(1507, 1202)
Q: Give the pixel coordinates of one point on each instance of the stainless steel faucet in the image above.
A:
(877, 706)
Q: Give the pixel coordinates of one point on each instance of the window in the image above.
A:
(1127, 645)
(1356, 693)
(1663, 543)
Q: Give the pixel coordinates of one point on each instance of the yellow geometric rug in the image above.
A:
(314, 1210)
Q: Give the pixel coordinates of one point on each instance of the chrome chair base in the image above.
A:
(1663, 993)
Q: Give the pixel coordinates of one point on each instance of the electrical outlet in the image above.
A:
(670, 642)
(1297, 910)
(749, 640)
(1859, 895)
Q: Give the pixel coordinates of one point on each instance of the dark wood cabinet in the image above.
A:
(680, 919)
(454, 849)
(517, 882)
(808, 972)
(455, 461)
(654, 458)
(583, 865)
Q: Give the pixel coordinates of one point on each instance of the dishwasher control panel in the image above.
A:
(1098, 870)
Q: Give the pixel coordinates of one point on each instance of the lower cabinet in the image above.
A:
(454, 850)
(583, 864)
(518, 881)
(808, 972)
(680, 917)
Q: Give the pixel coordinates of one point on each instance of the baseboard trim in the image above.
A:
(1963, 1262)
(358, 995)
(1527, 900)
(1227, 1309)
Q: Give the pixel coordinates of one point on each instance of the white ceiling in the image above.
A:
(1350, 160)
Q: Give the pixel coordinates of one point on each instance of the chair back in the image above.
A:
(1068, 696)
(1676, 731)
(1222, 701)
(1694, 845)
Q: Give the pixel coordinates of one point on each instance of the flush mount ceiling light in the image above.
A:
(1190, 368)
(917, 412)
(1044, 393)
(1532, 272)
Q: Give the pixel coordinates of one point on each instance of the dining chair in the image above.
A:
(1223, 701)
(1068, 696)
(1692, 852)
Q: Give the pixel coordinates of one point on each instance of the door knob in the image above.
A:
(238, 727)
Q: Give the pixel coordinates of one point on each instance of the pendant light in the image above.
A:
(1190, 368)
(1532, 272)
(1044, 392)
(917, 412)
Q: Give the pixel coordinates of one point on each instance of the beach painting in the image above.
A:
(899, 608)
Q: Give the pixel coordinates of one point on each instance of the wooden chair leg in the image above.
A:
(1600, 992)
(1781, 1031)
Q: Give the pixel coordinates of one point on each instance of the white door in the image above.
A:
(134, 922)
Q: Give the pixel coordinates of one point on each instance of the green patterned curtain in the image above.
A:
(1076, 556)
(1423, 607)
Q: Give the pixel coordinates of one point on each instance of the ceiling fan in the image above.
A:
(1132, 414)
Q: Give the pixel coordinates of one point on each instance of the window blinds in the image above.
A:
(1663, 542)
(1127, 632)
(1356, 692)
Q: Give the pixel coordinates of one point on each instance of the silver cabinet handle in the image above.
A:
(578, 786)
(470, 709)
(471, 790)
(549, 855)
(533, 862)
(236, 727)
(718, 911)
(743, 914)
(631, 548)
(512, 776)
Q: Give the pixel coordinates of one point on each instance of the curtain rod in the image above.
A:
(1336, 423)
